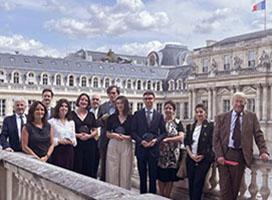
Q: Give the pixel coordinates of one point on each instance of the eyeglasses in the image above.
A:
(148, 98)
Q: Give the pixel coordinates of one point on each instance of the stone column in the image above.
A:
(209, 103)
(190, 104)
(258, 101)
(264, 103)
(193, 103)
(214, 103)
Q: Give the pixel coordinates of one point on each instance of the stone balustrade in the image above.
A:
(256, 184)
(25, 178)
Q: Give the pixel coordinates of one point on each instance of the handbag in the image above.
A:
(182, 171)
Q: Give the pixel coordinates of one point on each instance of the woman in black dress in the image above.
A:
(86, 157)
(198, 142)
(169, 150)
(37, 134)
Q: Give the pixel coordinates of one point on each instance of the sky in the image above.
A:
(136, 27)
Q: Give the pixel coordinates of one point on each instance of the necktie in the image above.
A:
(22, 121)
(236, 136)
(148, 117)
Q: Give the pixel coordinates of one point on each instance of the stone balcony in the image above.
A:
(25, 178)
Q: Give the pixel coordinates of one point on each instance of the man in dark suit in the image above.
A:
(47, 96)
(233, 141)
(10, 138)
(105, 110)
(148, 130)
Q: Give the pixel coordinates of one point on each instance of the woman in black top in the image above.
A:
(198, 143)
(86, 158)
(119, 153)
(37, 134)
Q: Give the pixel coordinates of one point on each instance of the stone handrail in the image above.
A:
(25, 178)
(255, 183)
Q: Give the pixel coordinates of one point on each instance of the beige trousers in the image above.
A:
(119, 163)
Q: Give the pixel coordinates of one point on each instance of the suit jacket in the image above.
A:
(51, 113)
(103, 109)
(10, 131)
(250, 129)
(205, 139)
(140, 127)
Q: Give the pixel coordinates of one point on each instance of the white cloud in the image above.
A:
(136, 48)
(26, 46)
(7, 5)
(125, 16)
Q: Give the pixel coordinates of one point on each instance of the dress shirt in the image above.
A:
(151, 113)
(195, 138)
(63, 130)
(18, 121)
(95, 111)
(232, 125)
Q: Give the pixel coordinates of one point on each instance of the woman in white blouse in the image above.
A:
(64, 135)
(198, 142)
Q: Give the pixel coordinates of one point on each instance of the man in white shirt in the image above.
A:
(10, 138)
(47, 96)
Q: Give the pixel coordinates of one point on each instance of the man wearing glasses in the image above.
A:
(148, 130)
(105, 110)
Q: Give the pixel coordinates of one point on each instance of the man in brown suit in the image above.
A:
(233, 141)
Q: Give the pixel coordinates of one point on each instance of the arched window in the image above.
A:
(158, 86)
(2, 76)
(83, 81)
(149, 85)
(95, 82)
(58, 79)
(16, 78)
(71, 81)
(44, 79)
(107, 82)
(31, 78)
(139, 85)
(129, 86)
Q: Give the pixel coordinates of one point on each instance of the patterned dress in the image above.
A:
(169, 153)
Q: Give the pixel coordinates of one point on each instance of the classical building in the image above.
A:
(209, 75)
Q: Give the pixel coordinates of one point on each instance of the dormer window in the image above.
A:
(16, 78)
(205, 65)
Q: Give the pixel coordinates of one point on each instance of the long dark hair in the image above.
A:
(30, 116)
(57, 107)
(124, 100)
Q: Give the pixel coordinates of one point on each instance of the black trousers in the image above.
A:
(196, 173)
(147, 162)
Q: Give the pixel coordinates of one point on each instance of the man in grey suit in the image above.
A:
(233, 141)
(105, 110)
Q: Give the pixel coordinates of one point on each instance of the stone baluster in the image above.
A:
(20, 187)
(243, 188)
(265, 191)
(24, 189)
(253, 187)
(214, 180)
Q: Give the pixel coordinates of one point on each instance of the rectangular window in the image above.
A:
(2, 107)
(251, 58)
(178, 110)
(205, 103)
(73, 105)
(251, 105)
(227, 61)
(131, 107)
(186, 110)
(29, 102)
(140, 106)
(226, 105)
(159, 107)
(205, 66)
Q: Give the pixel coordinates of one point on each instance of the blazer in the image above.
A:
(140, 127)
(250, 129)
(103, 109)
(10, 132)
(205, 139)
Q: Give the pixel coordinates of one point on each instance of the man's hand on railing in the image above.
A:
(264, 157)
(9, 149)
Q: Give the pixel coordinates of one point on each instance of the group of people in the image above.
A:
(95, 136)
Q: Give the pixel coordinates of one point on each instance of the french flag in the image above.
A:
(259, 6)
